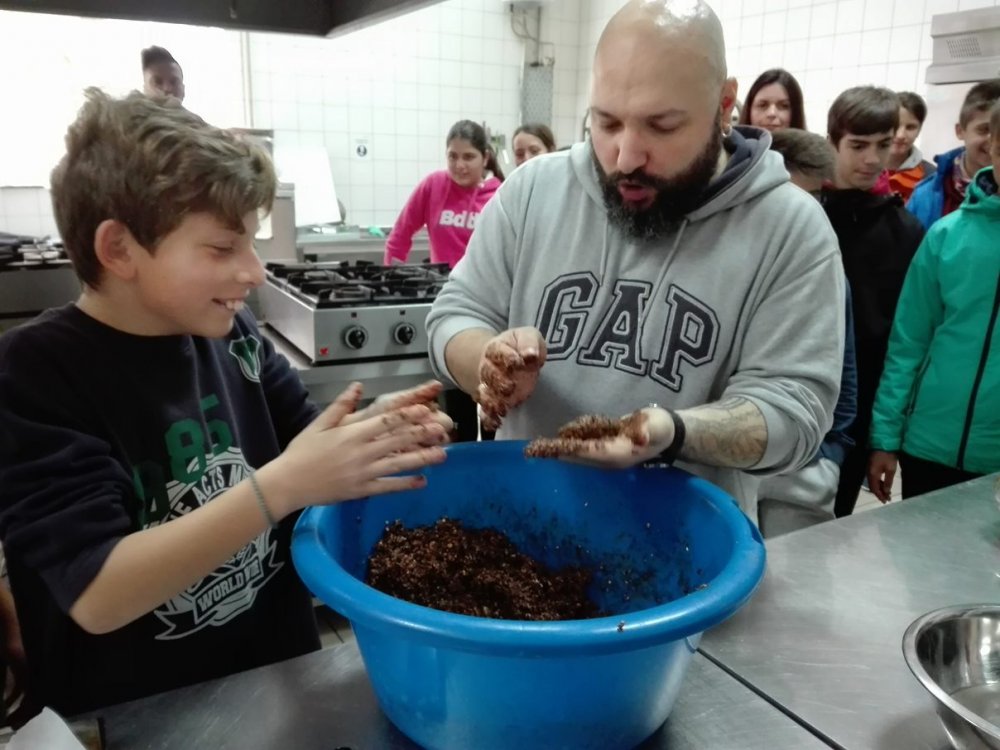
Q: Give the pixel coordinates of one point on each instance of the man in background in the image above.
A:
(161, 73)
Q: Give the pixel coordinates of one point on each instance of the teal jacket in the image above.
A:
(939, 397)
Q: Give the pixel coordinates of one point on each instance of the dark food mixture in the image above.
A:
(475, 572)
(574, 436)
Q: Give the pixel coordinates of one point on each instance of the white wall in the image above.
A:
(828, 45)
(49, 60)
(398, 86)
(563, 23)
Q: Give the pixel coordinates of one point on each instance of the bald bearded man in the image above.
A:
(667, 261)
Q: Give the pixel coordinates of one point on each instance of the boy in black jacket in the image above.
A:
(154, 449)
(878, 238)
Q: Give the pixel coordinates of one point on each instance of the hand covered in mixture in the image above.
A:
(332, 460)
(425, 394)
(609, 443)
(508, 371)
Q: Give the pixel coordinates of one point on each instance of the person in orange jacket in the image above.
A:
(907, 166)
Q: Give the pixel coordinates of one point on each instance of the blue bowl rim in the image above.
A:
(680, 618)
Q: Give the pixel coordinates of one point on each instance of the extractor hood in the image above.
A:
(313, 17)
(966, 46)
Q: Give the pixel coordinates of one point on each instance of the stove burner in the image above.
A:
(345, 284)
(19, 251)
(342, 295)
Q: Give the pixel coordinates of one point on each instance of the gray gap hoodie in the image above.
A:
(745, 299)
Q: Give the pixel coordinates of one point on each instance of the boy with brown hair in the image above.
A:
(943, 192)
(907, 165)
(154, 449)
(878, 237)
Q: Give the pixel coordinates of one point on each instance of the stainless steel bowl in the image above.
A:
(955, 653)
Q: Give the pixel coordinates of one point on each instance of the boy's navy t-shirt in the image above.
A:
(104, 433)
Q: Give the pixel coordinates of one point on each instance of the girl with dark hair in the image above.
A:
(531, 140)
(449, 201)
(774, 102)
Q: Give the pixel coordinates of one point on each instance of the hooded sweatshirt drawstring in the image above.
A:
(605, 254)
(657, 287)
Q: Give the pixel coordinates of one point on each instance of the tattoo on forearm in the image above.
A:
(731, 433)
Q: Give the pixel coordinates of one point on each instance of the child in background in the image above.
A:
(937, 413)
(943, 192)
(878, 237)
(907, 166)
(531, 140)
(448, 202)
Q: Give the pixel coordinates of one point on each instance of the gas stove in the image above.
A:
(351, 311)
(19, 251)
(35, 274)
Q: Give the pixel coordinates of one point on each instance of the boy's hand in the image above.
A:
(330, 462)
(426, 393)
(881, 472)
(508, 371)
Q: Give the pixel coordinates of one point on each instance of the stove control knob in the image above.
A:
(355, 337)
(404, 333)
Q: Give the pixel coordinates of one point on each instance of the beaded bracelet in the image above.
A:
(261, 503)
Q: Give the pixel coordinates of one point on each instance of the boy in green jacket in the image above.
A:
(937, 411)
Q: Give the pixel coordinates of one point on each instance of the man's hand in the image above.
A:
(881, 472)
(610, 443)
(508, 371)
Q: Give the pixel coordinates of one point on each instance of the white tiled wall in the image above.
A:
(829, 45)
(399, 87)
(48, 60)
(26, 210)
(562, 25)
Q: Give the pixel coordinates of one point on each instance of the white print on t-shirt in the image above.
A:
(466, 219)
(232, 588)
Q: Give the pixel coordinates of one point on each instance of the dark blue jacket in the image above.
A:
(837, 440)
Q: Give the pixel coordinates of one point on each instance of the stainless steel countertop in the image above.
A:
(353, 236)
(822, 636)
(324, 700)
(31, 290)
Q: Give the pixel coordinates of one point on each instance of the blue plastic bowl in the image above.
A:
(678, 557)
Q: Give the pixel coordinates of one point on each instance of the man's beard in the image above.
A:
(675, 197)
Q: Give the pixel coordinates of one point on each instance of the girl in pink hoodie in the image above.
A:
(448, 202)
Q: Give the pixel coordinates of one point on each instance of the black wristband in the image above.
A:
(670, 453)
